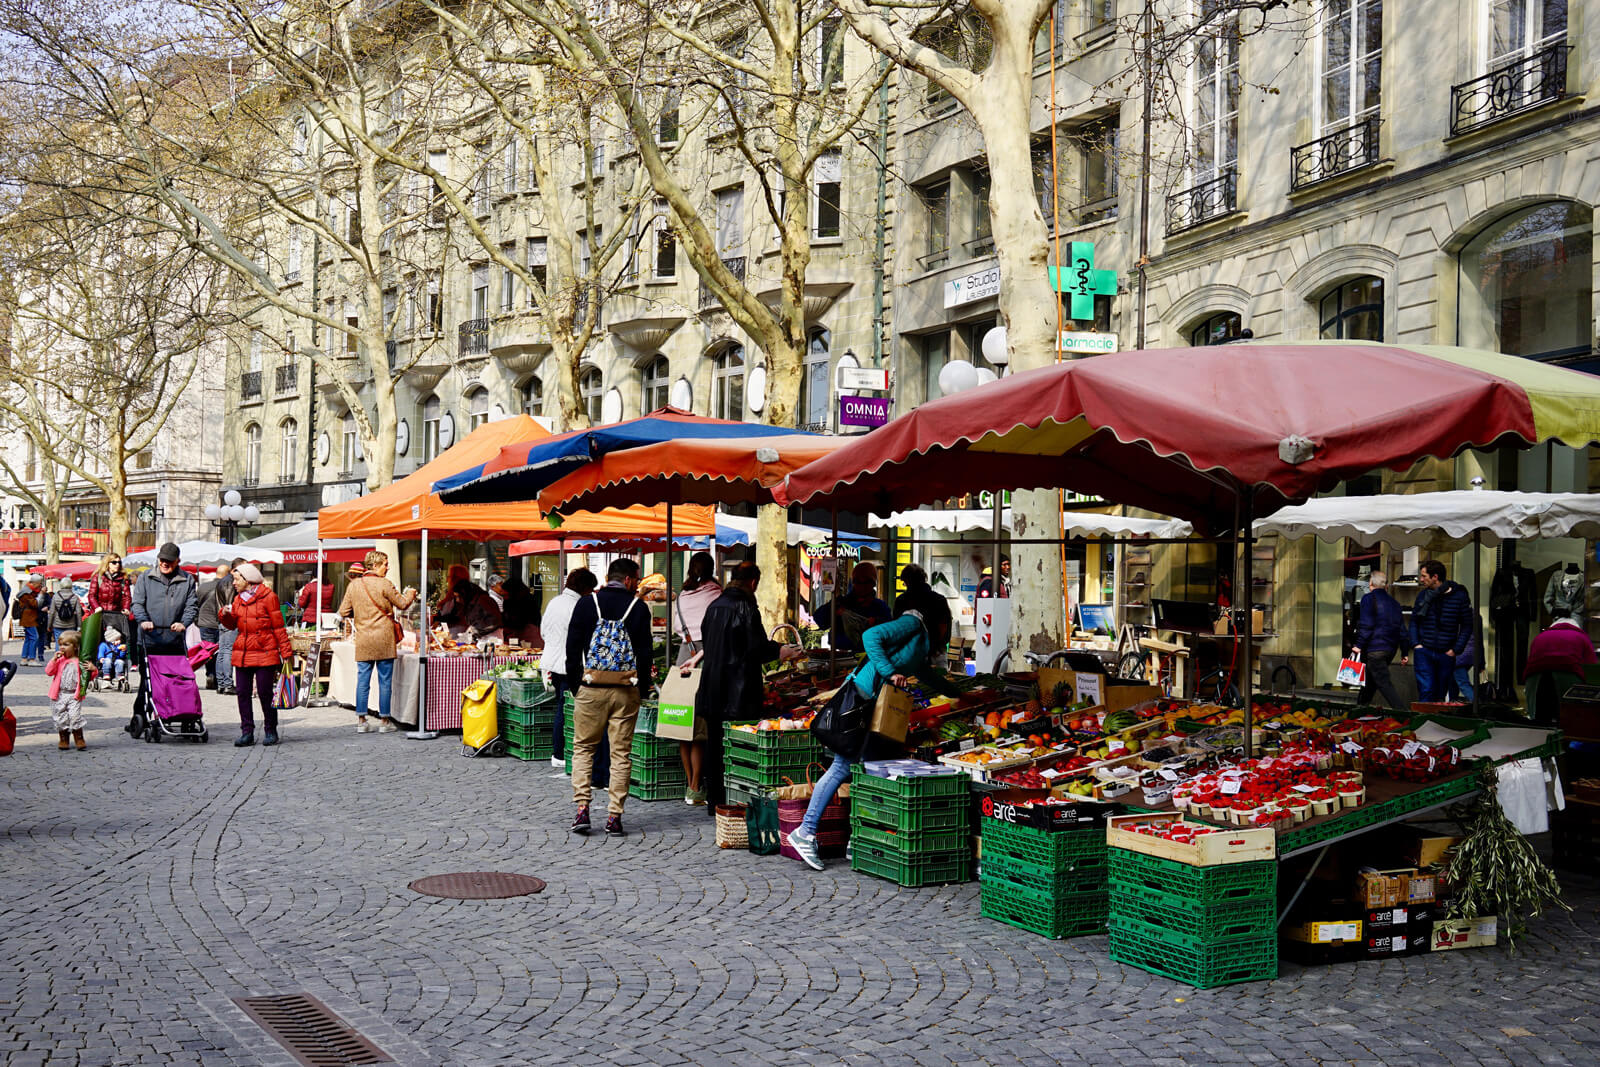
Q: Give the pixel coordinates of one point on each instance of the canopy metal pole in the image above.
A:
(422, 733)
(833, 609)
(994, 553)
(667, 666)
(1248, 535)
(1477, 621)
(317, 609)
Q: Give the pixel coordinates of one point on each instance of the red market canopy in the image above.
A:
(1196, 432)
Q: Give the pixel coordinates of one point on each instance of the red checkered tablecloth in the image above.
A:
(447, 676)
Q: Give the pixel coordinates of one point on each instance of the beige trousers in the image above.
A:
(598, 711)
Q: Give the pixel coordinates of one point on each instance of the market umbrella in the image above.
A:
(206, 554)
(1416, 519)
(74, 571)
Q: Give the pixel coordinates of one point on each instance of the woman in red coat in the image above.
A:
(261, 647)
(111, 594)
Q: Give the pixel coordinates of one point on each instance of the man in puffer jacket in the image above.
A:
(1441, 624)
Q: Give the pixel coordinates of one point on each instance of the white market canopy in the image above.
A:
(1417, 519)
(206, 554)
(299, 543)
(799, 533)
(1074, 523)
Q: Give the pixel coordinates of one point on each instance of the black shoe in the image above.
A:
(614, 827)
(271, 738)
(245, 741)
(580, 822)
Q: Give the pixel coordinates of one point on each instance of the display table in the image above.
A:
(403, 693)
(447, 676)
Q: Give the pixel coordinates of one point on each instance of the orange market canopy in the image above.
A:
(405, 508)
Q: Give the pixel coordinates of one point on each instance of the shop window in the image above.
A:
(1525, 285)
(727, 383)
(1352, 311)
(591, 390)
(657, 384)
(1216, 329)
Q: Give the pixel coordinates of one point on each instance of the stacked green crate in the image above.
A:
(566, 727)
(1050, 882)
(914, 830)
(758, 760)
(657, 769)
(1206, 926)
(527, 715)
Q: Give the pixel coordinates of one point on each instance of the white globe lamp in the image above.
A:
(231, 497)
(957, 376)
(252, 514)
(994, 347)
(213, 512)
(985, 376)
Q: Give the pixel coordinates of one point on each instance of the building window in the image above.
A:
(1352, 62)
(1352, 311)
(480, 291)
(935, 354)
(667, 121)
(1215, 329)
(477, 408)
(352, 334)
(430, 428)
(143, 461)
(1519, 28)
(664, 256)
(1216, 92)
(508, 279)
(591, 388)
(657, 384)
(533, 396)
(252, 454)
(827, 197)
(982, 220)
(727, 384)
(292, 271)
(538, 264)
(829, 70)
(1525, 284)
(936, 204)
(1097, 148)
(288, 450)
(730, 222)
(349, 445)
(435, 307)
(812, 412)
(481, 180)
(508, 166)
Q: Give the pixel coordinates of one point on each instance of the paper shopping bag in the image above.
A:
(675, 704)
(1352, 671)
(891, 718)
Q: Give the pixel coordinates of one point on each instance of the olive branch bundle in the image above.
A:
(1495, 871)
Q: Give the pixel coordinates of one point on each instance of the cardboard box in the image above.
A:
(1463, 933)
(1390, 941)
(1326, 932)
(1385, 918)
(1390, 889)
(1429, 850)
(1258, 623)
(1095, 688)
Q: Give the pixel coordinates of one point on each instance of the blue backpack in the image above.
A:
(610, 650)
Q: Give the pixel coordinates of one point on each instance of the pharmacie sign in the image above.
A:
(975, 286)
(1092, 344)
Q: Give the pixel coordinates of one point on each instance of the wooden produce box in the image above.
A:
(1208, 850)
(1392, 889)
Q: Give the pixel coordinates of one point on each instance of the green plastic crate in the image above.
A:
(519, 692)
(788, 741)
(767, 776)
(740, 791)
(1372, 814)
(528, 737)
(1200, 964)
(911, 814)
(1087, 875)
(1052, 915)
(910, 843)
(649, 748)
(646, 723)
(652, 771)
(1229, 920)
(930, 869)
(533, 752)
(1055, 849)
(657, 790)
(863, 784)
(1227, 881)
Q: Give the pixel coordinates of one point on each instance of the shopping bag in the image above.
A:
(479, 715)
(286, 694)
(8, 732)
(675, 704)
(841, 725)
(1352, 671)
(891, 715)
(761, 822)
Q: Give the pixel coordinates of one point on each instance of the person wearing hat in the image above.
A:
(28, 615)
(857, 611)
(214, 596)
(112, 655)
(165, 604)
(260, 648)
(986, 587)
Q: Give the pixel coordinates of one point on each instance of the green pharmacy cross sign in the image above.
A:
(1082, 282)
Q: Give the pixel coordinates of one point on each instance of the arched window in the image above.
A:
(252, 453)
(430, 428)
(1215, 329)
(288, 450)
(349, 445)
(533, 396)
(657, 383)
(477, 408)
(814, 392)
(1525, 284)
(1352, 311)
(727, 383)
(591, 387)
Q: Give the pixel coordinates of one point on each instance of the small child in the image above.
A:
(113, 656)
(68, 677)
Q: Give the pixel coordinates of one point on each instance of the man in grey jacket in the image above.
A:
(165, 604)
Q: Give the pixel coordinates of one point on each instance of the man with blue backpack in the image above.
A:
(608, 663)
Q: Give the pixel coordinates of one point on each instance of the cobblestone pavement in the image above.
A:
(144, 886)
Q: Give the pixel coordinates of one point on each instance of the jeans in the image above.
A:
(837, 774)
(265, 678)
(1378, 680)
(224, 657)
(31, 649)
(212, 634)
(113, 667)
(1461, 684)
(558, 725)
(364, 685)
(1434, 671)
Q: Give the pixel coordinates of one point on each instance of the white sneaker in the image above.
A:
(557, 761)
(806, 849)
(388, 727)
(366, 726)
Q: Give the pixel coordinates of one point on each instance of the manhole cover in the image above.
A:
(477, 885)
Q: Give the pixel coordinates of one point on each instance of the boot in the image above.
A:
(77, 739)
(64, 743)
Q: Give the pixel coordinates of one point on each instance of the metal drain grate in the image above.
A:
(310, 1030)
(477, 885)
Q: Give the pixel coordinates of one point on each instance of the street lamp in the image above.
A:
(231, 515)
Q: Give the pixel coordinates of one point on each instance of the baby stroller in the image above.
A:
(174, 700)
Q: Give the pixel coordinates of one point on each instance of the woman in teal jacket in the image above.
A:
(895, 650)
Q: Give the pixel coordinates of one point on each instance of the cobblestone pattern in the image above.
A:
(145, 885)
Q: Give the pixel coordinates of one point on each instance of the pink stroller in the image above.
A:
(174, 699)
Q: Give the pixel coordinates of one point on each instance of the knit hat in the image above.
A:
(355, 570)
(249, 572)
(113, 635)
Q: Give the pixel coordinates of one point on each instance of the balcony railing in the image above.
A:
(250, 385)
(1340, 152)
(708, 299)
(1208, 200)
(474, 335)
(1511, 89)
(287, 379)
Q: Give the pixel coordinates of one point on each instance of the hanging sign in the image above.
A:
(863, 410)
(1086, 343)
(975, 286)
(1082, 282)
(863, 378)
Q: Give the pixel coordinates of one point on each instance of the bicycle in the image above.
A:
(1155, 666)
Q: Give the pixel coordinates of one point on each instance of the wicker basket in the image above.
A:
(732, 832)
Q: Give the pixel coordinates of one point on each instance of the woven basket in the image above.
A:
(731, 829)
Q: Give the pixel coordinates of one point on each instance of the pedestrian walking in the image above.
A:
(111, 594)
(260, 649)
(165, 605)
(700, 590)
(68, 679)
(370, 601)
(608, 655)
(553, 660)
(1441, 624)
(66, 612)
(41, 625)
(210, 628)
(25, 610)
(1380, 633)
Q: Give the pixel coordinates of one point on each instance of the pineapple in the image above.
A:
(1032, 706)
(1062, 695)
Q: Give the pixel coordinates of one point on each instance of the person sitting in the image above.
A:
(112, 656)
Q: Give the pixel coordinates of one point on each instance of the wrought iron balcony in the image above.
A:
(1209, 200)
(287, 379)
(1511, 89)
(708, 299)
(250, 385)
(474, 335)
(1340, 152)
